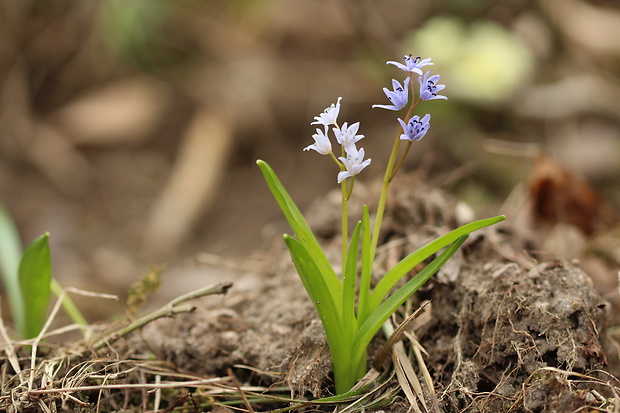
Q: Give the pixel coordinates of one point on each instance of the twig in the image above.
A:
(417, 349)
(39, 337)
(157, 400)
(9, 349)
(150, 386)
(233, 378)
(170, 309)
(395, 336)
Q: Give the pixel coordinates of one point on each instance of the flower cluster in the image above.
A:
(352, 160)
(414, 128)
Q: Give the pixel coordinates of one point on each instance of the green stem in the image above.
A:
(68, 304)
(364, 288)
(383, 197)
(350, 187)
(346, 194)
(345, 224)
(331, 154)
(390, 171)
(402, 159)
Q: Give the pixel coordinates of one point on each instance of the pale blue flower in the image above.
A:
(399, 97)
(412, 64)
(346, 135)
(429, 87)
(415, 129)
(329, 115)
(321, 143)
(354, 163)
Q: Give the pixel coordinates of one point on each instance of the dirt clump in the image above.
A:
(505, 334)
(500, 325)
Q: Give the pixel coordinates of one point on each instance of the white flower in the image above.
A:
(321, 143)
(353, 163)
(347, 134)
(329, 115)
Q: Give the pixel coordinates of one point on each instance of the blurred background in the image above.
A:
(129, 128)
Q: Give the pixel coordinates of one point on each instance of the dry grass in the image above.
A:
(99, 373)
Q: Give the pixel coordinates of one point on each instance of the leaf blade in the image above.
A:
(303, 232)
(390, 279)
(10, 255)
(374, 322)
(322, 300)
(35, 276)
(366, 271)
(349, 321)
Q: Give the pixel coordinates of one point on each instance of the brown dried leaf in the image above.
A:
(558, 196)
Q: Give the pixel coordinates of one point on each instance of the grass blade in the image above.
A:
(410, 261)
(312, 281)
(374, 322)
(35, 275)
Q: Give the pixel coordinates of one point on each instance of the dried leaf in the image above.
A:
(558, 196)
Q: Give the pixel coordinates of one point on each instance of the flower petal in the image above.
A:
(321, 143)
(329, 115)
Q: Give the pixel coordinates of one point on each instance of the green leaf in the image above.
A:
(303, 232)
(370, 327)
(314, 284)
(344, 375)
(366, 273)
(69, 306)
(390, 279)
(10, 254)
(349, 323)
(35, 275)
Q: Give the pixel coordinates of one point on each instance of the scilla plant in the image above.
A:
(350, 323)
(28, 281)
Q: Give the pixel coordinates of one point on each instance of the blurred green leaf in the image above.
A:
(142, 31)
(10, 254)
(35, 276)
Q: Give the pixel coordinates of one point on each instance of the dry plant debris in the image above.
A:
(93, 374)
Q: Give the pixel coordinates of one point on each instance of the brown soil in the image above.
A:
(502, 335)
